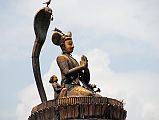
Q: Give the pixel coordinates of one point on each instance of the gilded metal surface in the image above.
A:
(79, 108)
(73, 101)
(71, 71)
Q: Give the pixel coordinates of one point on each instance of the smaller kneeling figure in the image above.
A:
(59, 91)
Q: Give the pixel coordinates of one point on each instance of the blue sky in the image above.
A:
(120, 38)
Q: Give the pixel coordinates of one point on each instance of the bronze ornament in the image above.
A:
(75, 98)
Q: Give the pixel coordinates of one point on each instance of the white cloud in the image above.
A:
(29, 97)
(132, 19)
(149, 111)
(138, 89)
(135, 20)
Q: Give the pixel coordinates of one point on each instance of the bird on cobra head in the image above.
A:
(47, 3)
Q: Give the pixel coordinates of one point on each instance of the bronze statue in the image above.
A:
(75, 98)
(41, 24)
(71, 71)
(57, 87)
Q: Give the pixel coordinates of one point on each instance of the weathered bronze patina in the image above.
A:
(75, 98)
(79, 108)
(41, 25)
(72, 73)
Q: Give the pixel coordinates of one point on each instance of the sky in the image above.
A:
(119, 37)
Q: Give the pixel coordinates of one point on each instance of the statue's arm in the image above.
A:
(86, 76)
(64, 66)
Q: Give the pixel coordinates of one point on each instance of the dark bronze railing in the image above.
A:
(79, 108)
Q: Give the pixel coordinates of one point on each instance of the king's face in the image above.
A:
(69, 46)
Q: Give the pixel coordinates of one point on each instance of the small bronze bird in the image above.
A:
(48, 3)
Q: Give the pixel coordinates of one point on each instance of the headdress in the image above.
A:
(59, 37)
